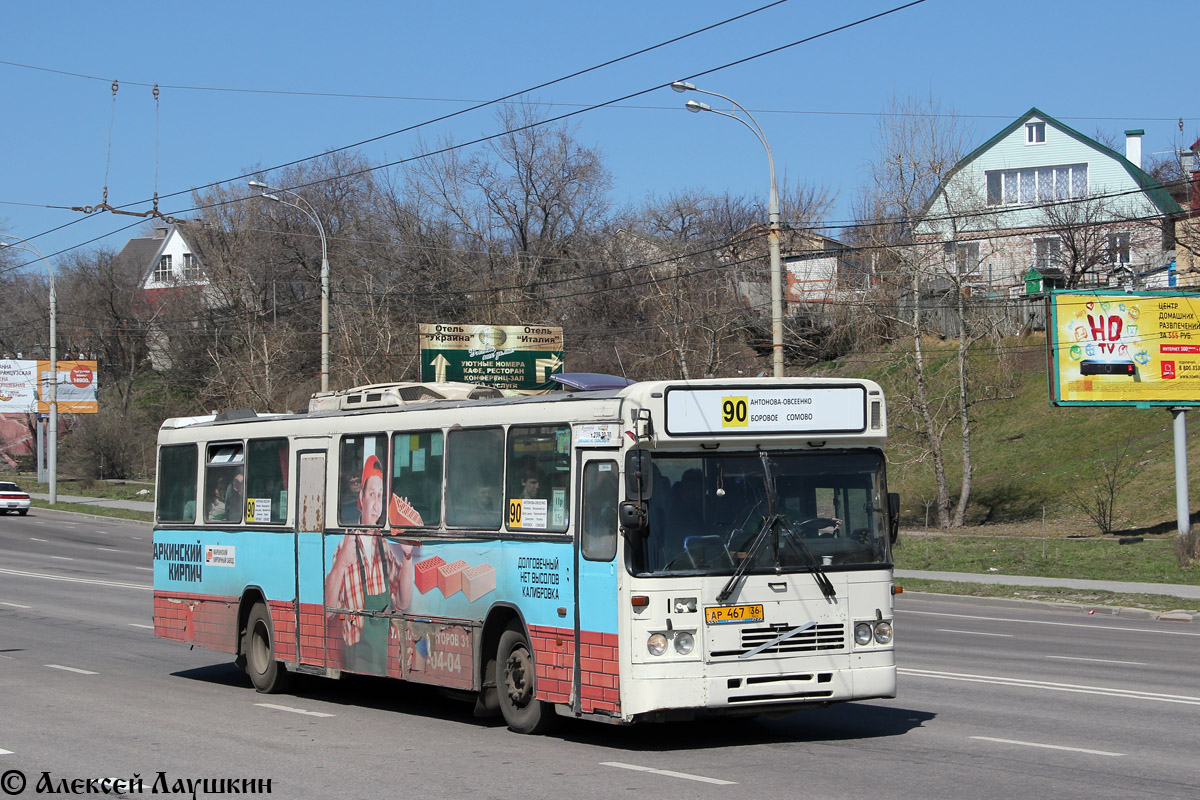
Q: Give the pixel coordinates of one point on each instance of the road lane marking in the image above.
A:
(294, 710)
(1129, 694)
(1101, 660)
(669, 773)
(148, 569)
(62, 558)
(975, 633)
(140, 625)
(92, 581)
(1048, 746)
(71, 669)
(1091, 627)
(109, 549)
(32, 539)
(15, 605)
(6, 752)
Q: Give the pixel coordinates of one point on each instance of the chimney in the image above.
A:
(160, 229)
(1133, 146)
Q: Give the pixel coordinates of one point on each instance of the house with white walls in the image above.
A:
(169, 268)
(165, 259)
(1040, 201)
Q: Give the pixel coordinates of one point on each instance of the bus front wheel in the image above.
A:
(258, 646)
(517, 685)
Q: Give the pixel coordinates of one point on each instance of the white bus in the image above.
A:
(615, 551)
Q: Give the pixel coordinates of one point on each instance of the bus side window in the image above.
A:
(267, 479)
(598, 531)
(416, 499)
(361, 482)
(474, 477)
(177, 483)
(224, 479)
(539, 469)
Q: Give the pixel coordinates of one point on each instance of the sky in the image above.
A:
(249, 85)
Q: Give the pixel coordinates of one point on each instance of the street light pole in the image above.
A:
(773, 224)
(52, 433)
(306, 208)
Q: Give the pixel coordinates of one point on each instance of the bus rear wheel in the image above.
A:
(258, 647)
(516, 685)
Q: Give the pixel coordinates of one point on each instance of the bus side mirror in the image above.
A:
(637, 474)
(632, 516)
(893, 515)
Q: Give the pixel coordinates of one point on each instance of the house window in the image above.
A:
(1036, 184)
(1035, 133)
(162, 272)
(962, 257)
(191, 267)
(1118, 248)
(1045, 253)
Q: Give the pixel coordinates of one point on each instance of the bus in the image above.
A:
(614, 551)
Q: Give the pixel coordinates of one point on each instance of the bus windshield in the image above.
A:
(776, 511)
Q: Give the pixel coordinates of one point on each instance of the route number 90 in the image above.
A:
(734, 412)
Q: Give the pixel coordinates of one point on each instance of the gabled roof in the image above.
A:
(142, 254)
(1153, 190)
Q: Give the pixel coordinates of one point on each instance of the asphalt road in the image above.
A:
(995, 702)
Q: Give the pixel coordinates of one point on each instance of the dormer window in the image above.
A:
(191, 267)
(163, 272)
(1035, 133)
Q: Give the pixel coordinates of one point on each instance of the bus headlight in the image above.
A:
(862, 633)
(684, 642)
(656, 644)
(883, 632)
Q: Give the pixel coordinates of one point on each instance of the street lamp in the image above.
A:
(773, 226)
(52, 434)
(306, 208)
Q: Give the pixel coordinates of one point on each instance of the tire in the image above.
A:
(516, 685)
(268, 675)
(23, 511)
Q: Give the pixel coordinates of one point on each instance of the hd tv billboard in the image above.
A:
(1137, 349)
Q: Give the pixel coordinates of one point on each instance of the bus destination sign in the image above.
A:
(819, 409)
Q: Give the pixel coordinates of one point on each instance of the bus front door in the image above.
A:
(595, 687)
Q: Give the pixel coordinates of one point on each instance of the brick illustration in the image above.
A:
(450, 577)
(426, 576)
(478, 581)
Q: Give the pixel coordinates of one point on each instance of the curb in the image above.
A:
(1107, 611)
(89, 515)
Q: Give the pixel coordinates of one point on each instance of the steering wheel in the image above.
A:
(817, 523)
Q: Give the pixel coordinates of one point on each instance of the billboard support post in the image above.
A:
(1182, 507)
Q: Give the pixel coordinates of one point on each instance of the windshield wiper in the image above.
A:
(747, 558)
(772, 522)
(815, 563)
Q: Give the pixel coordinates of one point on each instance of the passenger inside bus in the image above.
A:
(216, 501)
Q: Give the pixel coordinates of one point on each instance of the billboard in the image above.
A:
(25, 387)
(518, 359)
(18, 386)
(1137, 349)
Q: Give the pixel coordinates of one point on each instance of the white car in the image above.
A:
(13, 498)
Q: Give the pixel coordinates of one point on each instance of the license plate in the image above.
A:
(718, 615)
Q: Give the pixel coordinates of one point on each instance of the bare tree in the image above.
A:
(934, 234)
